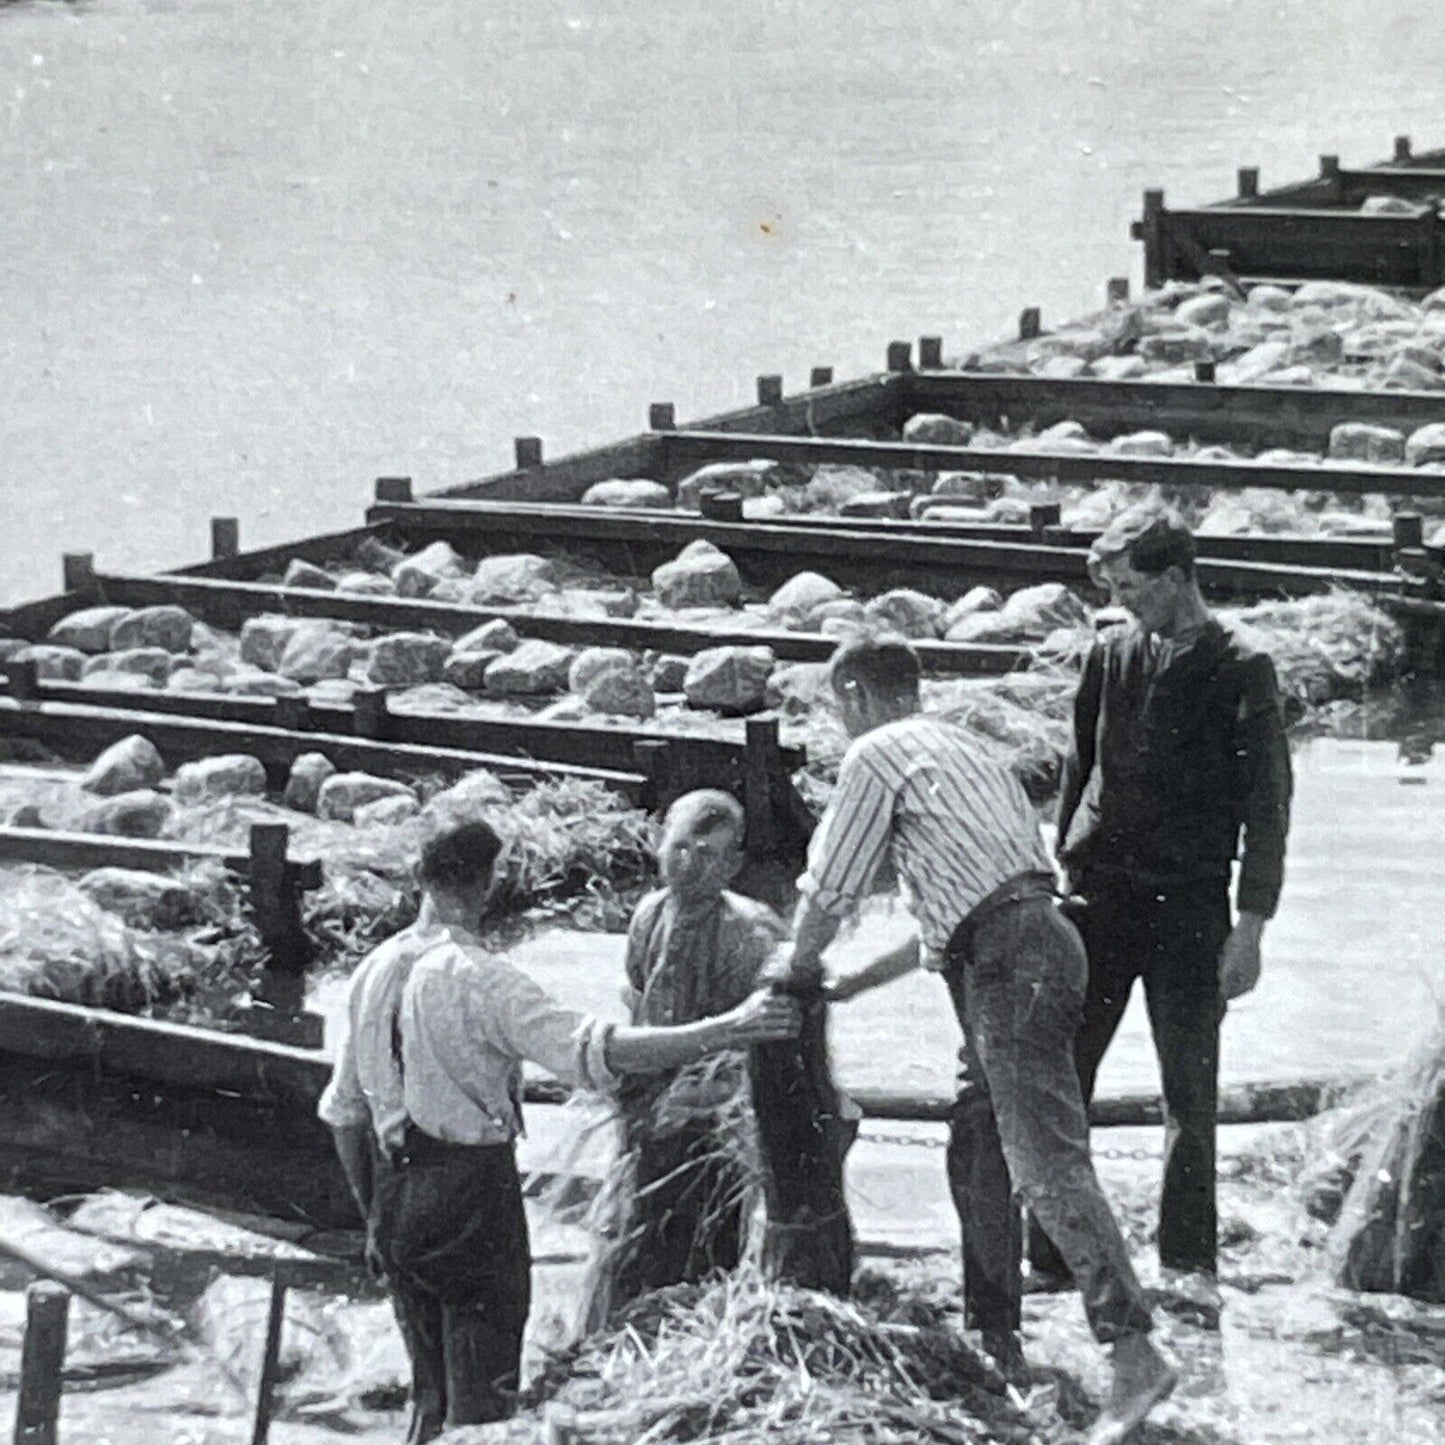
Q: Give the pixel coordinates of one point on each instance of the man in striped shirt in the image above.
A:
(965, 846)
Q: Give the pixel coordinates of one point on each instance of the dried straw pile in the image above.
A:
(748, 1363)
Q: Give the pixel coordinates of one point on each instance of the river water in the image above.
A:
(252, 256)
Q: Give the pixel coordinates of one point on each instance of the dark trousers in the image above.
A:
(449, 1227)
(1169, 936)
(1016, 972)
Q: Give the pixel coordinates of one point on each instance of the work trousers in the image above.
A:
(1170, 936)
(448, 1225)
(1016, 971)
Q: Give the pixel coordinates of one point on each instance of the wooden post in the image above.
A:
(1204, 371)
(770, 389)
(900, 354)
(293, 713)
(270, 1362)
(393, 489)
(721, 506)
(1031, 323)
(225, 537)
(24, 680)
(1330, 171)
(1116, 292)
(1151, 232)
(528, 452)
(661, 416)
(370, 715)
(930, 353)
(42, 1358)
(276, 908)
(653, 759)
(1402, 150)
(761, 764)
(1043, 515)
(820, 376)
(1248, 182)
(77, 569)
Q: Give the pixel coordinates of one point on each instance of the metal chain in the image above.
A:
(1141, 1155)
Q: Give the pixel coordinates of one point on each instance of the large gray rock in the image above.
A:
(797, 688)
(109, 680)
(1315, 346)
(139, 814)
(731, 680)
(929, 428)
(468, 670)
(876, 504)
(1259, 361)
(1360, 441)
(252, 682)
(699, 576)
(1142, 443)
(748, 479)
(619, 691)
(303, 785)
(1182, 343)
(800, 594)
(628, 492)
(53, 663)
(228, 775)
(1269, 298)
(517, 577)
(342, 794)
(974, 601)
(386, 812)
(1045, 607)
(845, 609)
(88, 630)
(264, 639)
(404, 659)
(535, 667)
(150, 662)
(1208, 310)
(971, 486)
(142, 900)
(1426, 444)
(1405, 373)
(830, 486)
(498, 635)
(365, 584)
(418, 576)
(475, 796)
(125, 766)
(166, 626)
(906, 612)
(592, 662)
(308, 576)
(668, 672)
(316, 650)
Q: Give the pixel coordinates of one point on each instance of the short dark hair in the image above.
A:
(459, 856)
(884, 665)
(1151, 538)
(708, 809)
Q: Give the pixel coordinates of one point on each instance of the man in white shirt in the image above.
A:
(425, 1107)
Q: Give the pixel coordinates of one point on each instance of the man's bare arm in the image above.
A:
(353, 1148)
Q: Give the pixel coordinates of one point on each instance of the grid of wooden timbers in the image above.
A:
(1308, 230)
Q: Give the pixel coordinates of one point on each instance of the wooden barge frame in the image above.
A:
(89, 1098)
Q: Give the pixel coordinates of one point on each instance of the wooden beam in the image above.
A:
(42, 1362)
(325, 547)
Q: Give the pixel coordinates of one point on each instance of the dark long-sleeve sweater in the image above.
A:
(1179, 765)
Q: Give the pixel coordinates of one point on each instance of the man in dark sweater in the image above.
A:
(1179, 767)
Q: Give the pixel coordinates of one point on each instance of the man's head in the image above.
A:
(702, 845)
(458, 870)
(1145, 557)
(875, 680)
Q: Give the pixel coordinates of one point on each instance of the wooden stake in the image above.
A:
(24, 680)
(900, 354)
(225, 537)
(276, 908)
(1329, 167)
(393, 489)
(653, 759)
(770, 390)
(1408, 529)
(528, 451)
(1043, 515)
(1402, 148)
(1204, 371)
(661, 416)
(760, 766)
(1116, 291)
(78, 571)
(37, 1411)
(930, 353)
(1031, 323)
(1151, 232)
(1247, 182)
(820, 376)
(293, 713)
(270, 1362)
(370, 717)
(721, 506)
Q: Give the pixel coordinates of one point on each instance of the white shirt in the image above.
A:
(468, 1019)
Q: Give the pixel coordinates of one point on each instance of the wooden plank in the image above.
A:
(599, 744)
(42, 1362)
(1411, 183)
(1257, 416)
(325, 547)
(227, 604)
(80, 730)
(569, 476)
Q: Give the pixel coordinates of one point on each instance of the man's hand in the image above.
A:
(762, 1017)
(1239, 958)
(788, 971)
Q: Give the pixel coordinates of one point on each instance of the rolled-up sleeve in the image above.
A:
(343, 1103)
(531, 1024)
(851, 842)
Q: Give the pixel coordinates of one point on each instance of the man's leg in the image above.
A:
(1182, 991)
(978, 1179)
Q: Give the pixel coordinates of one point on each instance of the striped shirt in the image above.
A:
(952, 817)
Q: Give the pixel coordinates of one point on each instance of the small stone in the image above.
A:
(308, 577)
(88, 630)
(1119, 368)
(109, 680)
(1359, 441)
(764, 509)
(699, 576)
(386, 812)
(800, 594)
(139, 814)
(365, 584)
(1259, 361)
(1063, 368)
(498, 635)
(373, 555)
(628, 492)
(1210, 310)
(9, 646)
(141, 900)
(1289, 376)
(1183, 343)
(1406, 374)
(841, 627)
(418, 576)
(592, 662)
(731, 680)
(24, 815)
(167, 627)
(668, 672)
(432, 697)
(1426, 444)
(1435, 301)
(1141, 443)
(469, 669)
(534, 667)
(264, 639)
(343, 793)
(1043, 608)
(151, 662)
(748, 479)
(930, 428)
(1268, 298)
(797, 688)
(53, 663)
(472, 797)
(516, 577)
(1311, 347)
(404, 659)
(251, 682)
(316, 651)
(830, 486)
(303, 784)
(877, 504)
(971, 486)
(909, 613)
(228, 775)
(986, 627)
(1387, 206)
(847, 609)
(974, 601)
(621, 691)
(124, 767)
